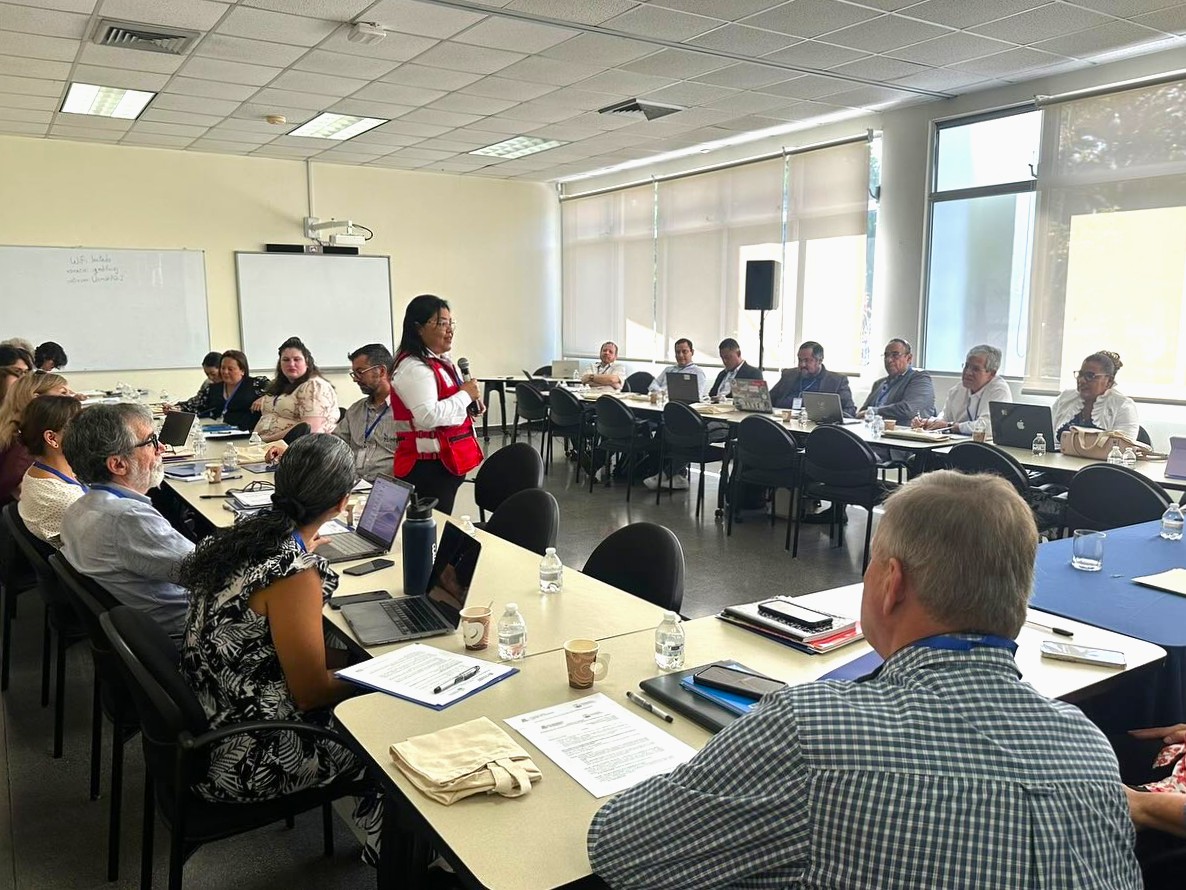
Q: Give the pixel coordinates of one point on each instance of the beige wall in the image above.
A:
(488, 246)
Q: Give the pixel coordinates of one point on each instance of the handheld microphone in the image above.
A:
(463, 367)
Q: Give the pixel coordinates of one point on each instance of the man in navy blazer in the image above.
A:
(736, 368)
(811, 376)
(905, 392)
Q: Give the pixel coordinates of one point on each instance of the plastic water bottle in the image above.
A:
(877, 427)
(200, 449)
(467, 526)
(1039, 446)
(869, 415)
(669, 642)
(1115, 456)
(1171, 523)
(166, 399)
(512, 634)
(255, 441)
(551, 572)
(1129, 458)
(230, 459)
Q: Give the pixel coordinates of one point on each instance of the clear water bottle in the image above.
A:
(1129, 458)
(166, 399)
(255, 441)
(512, 634)
(551, 572)
(877, 427)
(869, 415)
(230, 459)
(669, 642)
(1171, 523)
(467, 526)
(1115, 456)
(199, 443)
(1039, 446)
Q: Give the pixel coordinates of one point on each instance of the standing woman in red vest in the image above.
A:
(432, 407)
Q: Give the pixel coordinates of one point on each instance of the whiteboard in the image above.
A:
(110, 309)
(335, 304)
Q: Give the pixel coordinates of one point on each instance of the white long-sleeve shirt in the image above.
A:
(964, 408)
(416, 385)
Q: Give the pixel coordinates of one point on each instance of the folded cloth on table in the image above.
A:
(470, 758)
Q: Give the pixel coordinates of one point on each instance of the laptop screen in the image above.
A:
(384, 511)
(453, 572)
(683, 387)
(175, 429)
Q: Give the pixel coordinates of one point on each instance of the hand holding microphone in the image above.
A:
(470, 386)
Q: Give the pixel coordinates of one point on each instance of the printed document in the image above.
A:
(414, 671)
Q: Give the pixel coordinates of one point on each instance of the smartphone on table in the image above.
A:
(717, 676)
(336, 602)
(365, 568)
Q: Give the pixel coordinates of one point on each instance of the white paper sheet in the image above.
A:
(1171, 581)
(414, 671)
(333, 527)
(600, 744)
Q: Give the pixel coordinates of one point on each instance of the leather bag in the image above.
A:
(1096, 444)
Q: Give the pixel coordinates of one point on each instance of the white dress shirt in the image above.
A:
(964, 408)
(416, 385)
(660, 382)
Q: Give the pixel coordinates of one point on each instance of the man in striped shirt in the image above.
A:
(941, 770)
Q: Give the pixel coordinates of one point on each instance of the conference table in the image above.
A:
(538, 841)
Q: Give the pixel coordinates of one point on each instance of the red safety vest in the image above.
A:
(459, 452)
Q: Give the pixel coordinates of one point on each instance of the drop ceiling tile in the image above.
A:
(118, 57)
(211, 89)
(541, 112)
(334, 10)
(284, 152)
(867, 97)
(119, 77)
(888, 5)
(412, 128)
(689, 93)
(1158, 44)
(654, 21)
(810, 18)
(1105, 38)
(809, 86)
(169, 101)
(261, 24)
(453, 146)
(1171, 21)
(251, 140)
(749, 124)
(426, 154)
(380, 137)
(880, 68)
(962, 14)
(941, 79)
(258, 112)
(166, 129)
(46, 22)
(25, 115)
(91, 122)
(413, 75)
(23, 128)
(1009, 62)
(293, 99)
(505, 88)
(502, 33)
(503, 127)
(312, 82)
(395, 47)
(730, 10)
(582, 99)
(565, 132)
(886, 33)
(599, 49)
(747, 103)
(344, 65)
(587, 12)
(39, 68)
(675, 63)
(424, 19)
(745, 76)
(200, 15)
(472, 104)
(156, 140)
(1042, 23)
(457, 166)
(1125, 8)
(229, 72)
(165, 116)
(370, 108)
(815, 54)
(220, 146)
(950, 49)
(625, 83)
(302, 143)
(538, 69)
(68, 132)
(253, 52)
(744, 40)
(35, 46)
(396, 162)
(341, 156)
(31, 103)
(398, 94)
(84, 6)
(246, 129)
(440, 118)
(474, 59)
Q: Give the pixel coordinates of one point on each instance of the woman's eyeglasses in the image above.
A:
(1088, 375)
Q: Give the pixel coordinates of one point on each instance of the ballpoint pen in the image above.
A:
(460, 678)
(647, 706)
(1061, 631)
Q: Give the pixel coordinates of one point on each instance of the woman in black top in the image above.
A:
(232, 400)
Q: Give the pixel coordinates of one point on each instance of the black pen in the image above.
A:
(214, 497)
(647, 706)
(1061, 631)
(460, 678)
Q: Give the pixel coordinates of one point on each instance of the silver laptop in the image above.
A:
(752, 395)
(824, 407)
(375, 532)
(1015, 426)
(430, 613)
(1175, 466)
(683, 386)
(563, 368)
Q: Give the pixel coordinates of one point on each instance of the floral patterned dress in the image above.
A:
(316, 397)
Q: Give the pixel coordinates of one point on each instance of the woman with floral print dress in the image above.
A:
(254, 648)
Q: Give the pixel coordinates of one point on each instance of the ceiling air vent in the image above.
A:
(637, 109)
(149, 38)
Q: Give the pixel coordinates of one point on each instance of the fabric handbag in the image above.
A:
(471, 758)
(1096, 444)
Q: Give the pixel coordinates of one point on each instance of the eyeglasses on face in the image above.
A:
(1089, 376)
(895, 354)
(151, 440)
(356, 375)
(443, 324)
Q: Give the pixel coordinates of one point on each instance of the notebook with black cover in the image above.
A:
(667, 690)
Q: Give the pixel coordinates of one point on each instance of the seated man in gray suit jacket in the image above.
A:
(905, 393)
(811, 376)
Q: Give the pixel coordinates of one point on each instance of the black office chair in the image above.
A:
(683, 439)
(341, 414)
(16, 577)
(531, 407)
(301, 429)
(543, 371)
(1104, 496)
(638, 382)
(1143, 436)
(619, 432)
(529, 518)
(177, 736)
(766, 455)
(510, 469)
(568, 417)
(839, 467)
(980, 457)
(643, 559)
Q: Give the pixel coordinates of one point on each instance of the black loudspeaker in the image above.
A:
(761, 284)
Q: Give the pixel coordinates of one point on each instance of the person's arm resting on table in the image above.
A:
(1163, 811)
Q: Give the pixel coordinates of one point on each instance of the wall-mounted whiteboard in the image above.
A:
(112, 310)
(335, 304)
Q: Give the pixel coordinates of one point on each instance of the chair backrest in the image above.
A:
(1143, 436)
(301, 429)
(88, 599)
(639, 381)
(531, 404)
(543, 371)
(682, 426)
(12, 560)
(615, 419)
(37, 552)
(565, 409)
(980, 457)
(510, 469)
(836, 456)
(529, 518)
(1104, 496)
(643, 559)
(765, 444)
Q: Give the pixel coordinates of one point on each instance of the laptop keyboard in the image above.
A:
(346, 545)
(412, 615)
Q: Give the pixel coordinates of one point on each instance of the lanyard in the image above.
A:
(370, 427)
(46, 469)
(967, 644)
(890, 381)
(111, 489)
(227, 399)
(299, 541)
(811, 384)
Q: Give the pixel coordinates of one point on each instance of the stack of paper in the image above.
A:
(415, 673)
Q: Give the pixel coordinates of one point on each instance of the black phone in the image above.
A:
(365, 568)
(336, 602)
(781, 610)
(728, 679)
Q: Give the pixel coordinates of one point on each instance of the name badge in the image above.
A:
(796, 404)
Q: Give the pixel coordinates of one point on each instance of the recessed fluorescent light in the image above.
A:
(86, 98)
(517, 147)
(337, 126)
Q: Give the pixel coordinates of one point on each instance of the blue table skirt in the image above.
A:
(1109, 599)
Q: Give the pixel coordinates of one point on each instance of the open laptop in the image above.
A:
(824, 407)
(1175, 466)
(375, 531)
(175, 430)
(683, 387)
(752, 395)
(1015, 425)
(420, 613)
(563, 368)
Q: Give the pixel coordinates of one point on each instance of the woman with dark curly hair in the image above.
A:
(297, 394)
(1095, 402)
(254, 648)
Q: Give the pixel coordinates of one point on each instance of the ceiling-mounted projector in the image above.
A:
(366, 32)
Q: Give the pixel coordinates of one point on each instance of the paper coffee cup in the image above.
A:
(475, 627)
(584, 664)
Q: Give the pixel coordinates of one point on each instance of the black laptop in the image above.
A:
(422, 614)
(824, 407)
(375, 532)
(683, 386)
(175, 430)
(1015, 426)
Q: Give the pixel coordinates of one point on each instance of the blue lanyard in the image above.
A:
(812, 384)
(370, 427)
(39, 465)
(111, 489)
(299, 541)
(967, 644)
(889, 381)
(227, 399)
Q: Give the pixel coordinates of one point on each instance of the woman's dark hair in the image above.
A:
(10, 355)
(419, 312)
(49, 351)
(281, 385)
(238, 358)
(212, 359)
(313, 477)
(1109, 361)
(46, 413)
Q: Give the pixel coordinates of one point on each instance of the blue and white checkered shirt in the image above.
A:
(943, 771)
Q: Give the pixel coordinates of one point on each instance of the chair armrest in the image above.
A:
(1052, 489)
(193, 744)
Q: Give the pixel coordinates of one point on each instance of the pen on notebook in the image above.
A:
(1061, 631)
(647, 706)
(460, 678)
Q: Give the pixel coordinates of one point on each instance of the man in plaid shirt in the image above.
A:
(941, 770)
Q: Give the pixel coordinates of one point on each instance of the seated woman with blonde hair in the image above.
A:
(1095, 402)
(49, 486)
(14, 457)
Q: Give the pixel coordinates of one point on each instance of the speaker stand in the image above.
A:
(762, 340)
